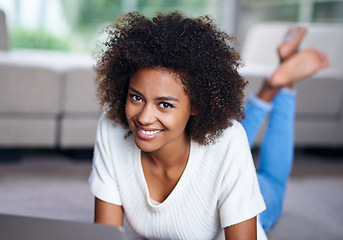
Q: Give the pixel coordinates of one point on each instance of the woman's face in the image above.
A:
(157, 110)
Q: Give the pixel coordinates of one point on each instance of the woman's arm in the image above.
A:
(108, 213)
(246, 230)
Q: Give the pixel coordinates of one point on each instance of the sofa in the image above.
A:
(319, 114)
(48, 99)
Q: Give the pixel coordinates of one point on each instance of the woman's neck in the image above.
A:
(163, 168)
(170, 156)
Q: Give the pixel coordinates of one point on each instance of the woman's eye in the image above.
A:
(166, 105)
(135, 98)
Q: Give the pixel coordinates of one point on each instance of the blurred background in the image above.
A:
(49, 111)
(46, 48)
(74, 25)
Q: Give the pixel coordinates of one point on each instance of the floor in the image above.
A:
(52, 184)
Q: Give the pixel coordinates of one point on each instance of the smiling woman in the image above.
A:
(170, 154)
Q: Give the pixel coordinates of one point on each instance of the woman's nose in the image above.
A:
(146, 115)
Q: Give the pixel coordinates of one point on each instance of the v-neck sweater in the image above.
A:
(217, 189)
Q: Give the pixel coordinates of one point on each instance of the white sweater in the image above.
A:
(218, 187)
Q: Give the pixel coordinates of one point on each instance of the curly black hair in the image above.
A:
(195, 49)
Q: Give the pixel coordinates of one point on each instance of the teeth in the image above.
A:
(149, 132)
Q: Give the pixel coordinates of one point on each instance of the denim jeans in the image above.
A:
(276, 153)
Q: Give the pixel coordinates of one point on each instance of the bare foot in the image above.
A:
(299, 66)
(291, 42)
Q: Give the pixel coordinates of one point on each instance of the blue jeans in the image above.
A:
(276, 150)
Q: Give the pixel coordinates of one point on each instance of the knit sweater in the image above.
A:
(217, 189)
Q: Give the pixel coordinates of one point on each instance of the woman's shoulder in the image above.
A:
(108, 125)
(111, 132)
(232, 139)
(229, 154)
(234, 132)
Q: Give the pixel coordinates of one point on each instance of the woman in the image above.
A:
(170, 153)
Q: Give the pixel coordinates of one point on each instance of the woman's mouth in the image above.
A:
(147, 134)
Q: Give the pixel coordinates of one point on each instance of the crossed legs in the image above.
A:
(277, 101)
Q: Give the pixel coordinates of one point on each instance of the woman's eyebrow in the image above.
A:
(168, 98)
(135, 91)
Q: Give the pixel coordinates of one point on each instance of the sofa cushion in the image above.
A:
(78, 131)
(79, 91)
(29, 89)
(27, 131)
(320, 98)
(318, 132)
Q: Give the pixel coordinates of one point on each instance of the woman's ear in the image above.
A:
(194, 110)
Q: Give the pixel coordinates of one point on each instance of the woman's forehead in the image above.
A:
(158, 83)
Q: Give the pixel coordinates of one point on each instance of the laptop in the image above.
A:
(32, 228)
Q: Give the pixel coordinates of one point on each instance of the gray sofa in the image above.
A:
(47, 99)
